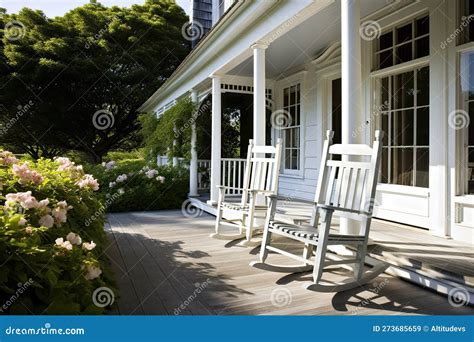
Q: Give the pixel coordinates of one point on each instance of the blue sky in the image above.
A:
(54, 8)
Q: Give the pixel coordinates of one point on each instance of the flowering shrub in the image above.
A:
(135, 186)
(44, 241)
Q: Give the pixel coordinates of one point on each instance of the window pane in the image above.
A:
(385, 129)
(403, 53)
(285, 97)
(471, 124)
(470, 170)
(294, 159)
(402, 166)
(287, 159)
(466, 9)
(403, 90)
(384, 90)
(386, 40)
(404, 33)
(384, 175)
(296, 137)
(422, 26)
(422, 167)
(288, 138)
(422, 47)
(402, 128)
(385, 59)
(423, 86)
(422, 127)
(292, 95)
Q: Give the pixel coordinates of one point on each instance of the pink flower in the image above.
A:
(88, 182)
(26, 174)
(46, 221)
(22, 221)
(64, 163)
(24, 199)
(7, 158)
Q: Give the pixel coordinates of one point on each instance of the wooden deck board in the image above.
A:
(166, 258)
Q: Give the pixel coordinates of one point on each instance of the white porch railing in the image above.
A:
(232, 174)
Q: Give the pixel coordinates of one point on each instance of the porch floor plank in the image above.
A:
(173, 267)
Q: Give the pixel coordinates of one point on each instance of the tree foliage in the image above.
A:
(94, 59)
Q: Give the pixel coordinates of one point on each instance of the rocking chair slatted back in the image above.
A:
(350, 183)
(262, 169)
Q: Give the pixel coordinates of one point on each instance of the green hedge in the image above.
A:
(145, 187)
(52, 239)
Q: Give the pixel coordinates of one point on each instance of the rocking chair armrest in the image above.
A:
(347, 210)
(267, 193)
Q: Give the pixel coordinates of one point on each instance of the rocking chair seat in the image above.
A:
(242, 207)
(309, 233)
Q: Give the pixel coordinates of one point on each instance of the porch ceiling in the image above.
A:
(306, 41)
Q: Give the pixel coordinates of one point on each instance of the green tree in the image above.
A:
(75, 82)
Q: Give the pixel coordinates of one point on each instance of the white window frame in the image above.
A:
(462, 134)
(298, 78)
(391, 111)
(378, 74)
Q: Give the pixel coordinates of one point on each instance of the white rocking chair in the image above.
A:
(344, 188)
(260, 178)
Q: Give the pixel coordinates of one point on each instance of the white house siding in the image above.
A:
(431, 207)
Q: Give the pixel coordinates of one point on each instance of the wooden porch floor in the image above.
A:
(166, 264)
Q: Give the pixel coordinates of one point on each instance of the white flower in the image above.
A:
(92, 272)
(160, 179)
(74, 238)
(121, 178)
(109, 165)
(151, 173)
(89, 246)
(112, 184)
(22, 221)
(46, 221)
(121, 191)
(63, 244)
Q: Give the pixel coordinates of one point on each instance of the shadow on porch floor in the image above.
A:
(166, 264)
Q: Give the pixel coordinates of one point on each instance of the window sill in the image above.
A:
(290, 175)
(404, 190)
(464, 199)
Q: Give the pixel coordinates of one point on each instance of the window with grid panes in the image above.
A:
(467, 123)
(405, 120)
(402, 43)
(291, 132)
(465, 21)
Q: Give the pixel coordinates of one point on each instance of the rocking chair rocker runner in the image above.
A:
(347, 189)
(260, 178)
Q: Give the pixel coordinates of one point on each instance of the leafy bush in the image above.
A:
(51, 260)
(134, 185)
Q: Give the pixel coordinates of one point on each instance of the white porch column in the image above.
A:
(175, 158)
(351, 65)
(259, 93)
(193, 165)
(216, 138)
